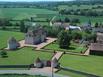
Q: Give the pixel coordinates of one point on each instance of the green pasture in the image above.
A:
(23, 13)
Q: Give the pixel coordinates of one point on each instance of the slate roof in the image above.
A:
(96, 47)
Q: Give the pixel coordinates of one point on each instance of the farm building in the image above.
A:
(35, 36)
(67, 26)
(12, 43)
(87, 26)
(100, 37)
(98, 29)
(97, 48)
(46, 63)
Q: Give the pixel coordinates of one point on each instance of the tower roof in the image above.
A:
(55, 60)
(38, 60)
(12, 40)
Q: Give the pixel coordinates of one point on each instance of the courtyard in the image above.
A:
(74, 47)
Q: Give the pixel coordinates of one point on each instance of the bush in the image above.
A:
(3, 54)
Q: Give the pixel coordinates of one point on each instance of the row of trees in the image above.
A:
(5, 23)
(66, 19)
(83, 12)
(65, 37)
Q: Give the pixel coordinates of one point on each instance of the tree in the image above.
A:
(96, 24)
(64, 39)
(67, 19)
(22, 26)
(3, 54)
(76, 35)
(75, 20)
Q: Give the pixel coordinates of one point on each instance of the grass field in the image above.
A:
(73, 47)
(24, 56)
(5, 35)
(74, 7)
(23, 13)
(71, 74)
(88, 64)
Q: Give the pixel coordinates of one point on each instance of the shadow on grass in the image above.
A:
(69, 48)
(4, 56)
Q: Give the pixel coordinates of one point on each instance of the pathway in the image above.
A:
(39, 46)
(87, 52)
(50, 40)
(46, 69)
(31, 72)
(57, 55)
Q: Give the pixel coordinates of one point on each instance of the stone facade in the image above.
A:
(12, 43)
(46, 63)
(35, 36)
(54, 63)
(38, 63)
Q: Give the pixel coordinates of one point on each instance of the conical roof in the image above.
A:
(38, 60)
(55, 60)
(12, 40)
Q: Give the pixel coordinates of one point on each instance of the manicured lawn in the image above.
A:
(88, 64)
(5, 35)
(71, 74)
(73, 47)
(24, 56)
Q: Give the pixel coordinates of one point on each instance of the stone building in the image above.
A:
(46, 63)
(35, 36)
(54, 63)
(38, 63)
(97, 48)
(12, 43)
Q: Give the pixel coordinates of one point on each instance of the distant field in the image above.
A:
(74, 7)
(24, 56)
(23, 13)
(87, 64)
(5, 35)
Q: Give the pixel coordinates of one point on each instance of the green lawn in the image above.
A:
(23, 13)
(24, 56)
(88, 64)
(71, 74)
(73, 47)
(5, 35)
